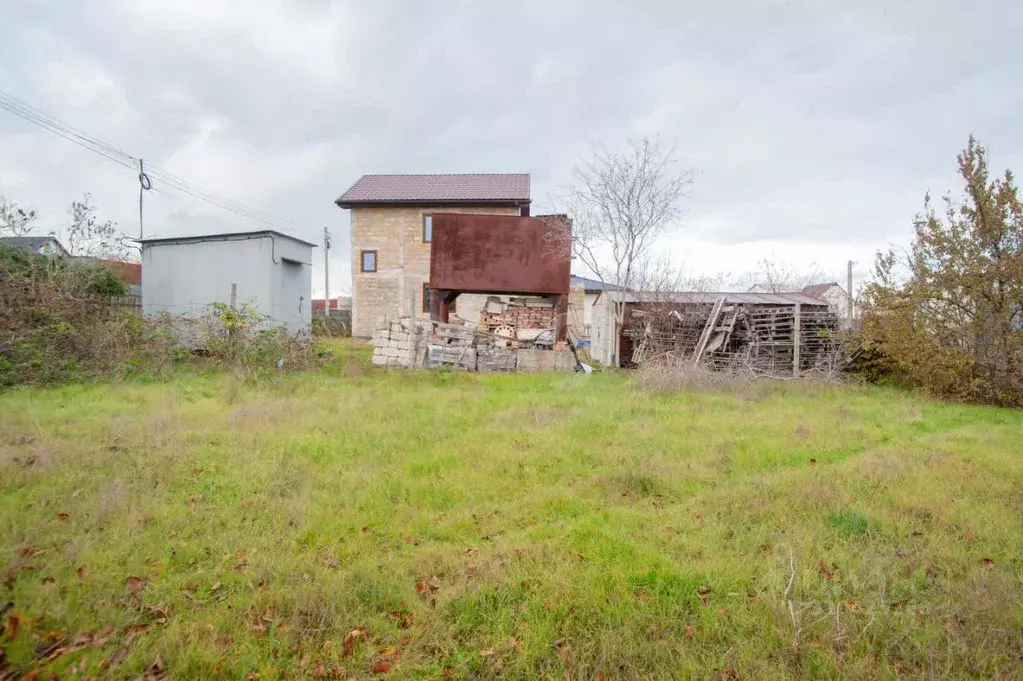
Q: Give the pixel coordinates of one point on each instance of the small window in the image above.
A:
(369, 261)
(427, 229)
(426, 298)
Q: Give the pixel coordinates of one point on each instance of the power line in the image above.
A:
(112, 153)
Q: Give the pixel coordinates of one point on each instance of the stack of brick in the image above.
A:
(401, 343)
(519, 317)
(495, 355)
(453, 346)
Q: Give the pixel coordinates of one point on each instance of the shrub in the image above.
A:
(948, 315)
(55, 326)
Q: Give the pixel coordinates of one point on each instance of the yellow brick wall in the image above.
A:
(403, 261)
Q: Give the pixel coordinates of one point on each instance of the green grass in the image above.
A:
(515, 526)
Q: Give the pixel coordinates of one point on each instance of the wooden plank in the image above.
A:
(708, 329)
(796, 340)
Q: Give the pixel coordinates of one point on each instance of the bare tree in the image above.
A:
(774, 276)
(15, 220)
(619, 204)
(87, 236)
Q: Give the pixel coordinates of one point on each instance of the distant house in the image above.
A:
(335, 304)
(44, 245)
(582, 296)
(835, 296)
(270, 270)
(392, 229)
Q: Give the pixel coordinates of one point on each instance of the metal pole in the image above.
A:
(142, 186)
(849, 295)
(326, 272)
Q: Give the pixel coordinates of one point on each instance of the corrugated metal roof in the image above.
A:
(744, 298)
(470, 188)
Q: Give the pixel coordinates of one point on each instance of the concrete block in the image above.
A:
(379, 360)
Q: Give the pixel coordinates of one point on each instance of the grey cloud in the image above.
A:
(818, 121)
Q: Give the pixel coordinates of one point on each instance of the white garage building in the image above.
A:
(269, 270)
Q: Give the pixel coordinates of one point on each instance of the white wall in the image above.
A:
(183, 278)
(602, 329)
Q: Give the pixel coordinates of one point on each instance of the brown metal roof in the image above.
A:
(481, 189)
(817, 290)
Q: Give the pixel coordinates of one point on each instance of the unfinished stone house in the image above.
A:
(392, 230)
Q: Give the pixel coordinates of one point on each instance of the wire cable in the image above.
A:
(29, 113)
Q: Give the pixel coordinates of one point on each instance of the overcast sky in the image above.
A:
(815, 126)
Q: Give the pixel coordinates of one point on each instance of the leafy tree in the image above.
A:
(948, 313)
(15, 220)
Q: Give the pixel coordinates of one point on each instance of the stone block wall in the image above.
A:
(403, 261)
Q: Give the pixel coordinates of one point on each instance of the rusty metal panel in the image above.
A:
(496, 254)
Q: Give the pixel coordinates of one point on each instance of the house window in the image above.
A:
(369, 261)
(427, 229)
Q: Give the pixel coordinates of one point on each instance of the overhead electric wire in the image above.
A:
(112, 153)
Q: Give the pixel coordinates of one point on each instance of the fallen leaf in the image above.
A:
(487, 653)
(899, 605)
(13, 623)
(382, 667)
(952, 627)
(134, 583)
(351, 639)
(852, 606)
(328, 644)
(751, 596)
(320, 670)
(304, 660)
(216, 587)
(513, 644)
(62, 517)
(258, 629)
(813, 462)
(601, 677)
(915, 533)
(434, 584)
(198, 471)
(580, 556)
(447, 672)
(332, 563)
(987, 563)
(690, 630)
(703, 590)
(389, 651)
(118, 655)
(28, 551)
(158, 667)
(826, 572)
(80, 572)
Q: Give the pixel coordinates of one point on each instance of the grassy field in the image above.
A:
(351, 523)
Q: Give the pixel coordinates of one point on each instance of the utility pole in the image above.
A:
(849, 294)
(326, 272)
